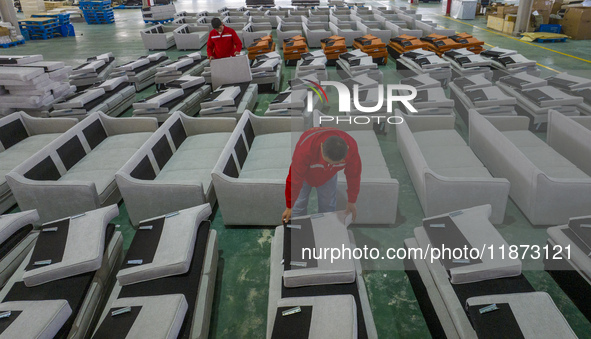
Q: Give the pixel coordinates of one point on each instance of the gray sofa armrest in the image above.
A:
(571, 139)
(508, 123)
(427, 123)
(266, 125)
(115, 126)
(37, 126)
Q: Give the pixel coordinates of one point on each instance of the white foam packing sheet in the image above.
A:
(226, 98)
(188, 81)
(493, 97)
(194, 55)
(270, 55)
(503, 51)
(20, 90)
(48, 66)
(418, 53)
(435, 99)
(312, 55)
(17, 101)
(574, 82)
(104, 56)
(519, 61)
(558, 98)
(433, 62)
(477, 81)
(316, 63)
(21, 59)
(364, 63)
(475, 61)
(59, 73)
(525, 80)
(160, 99)
(20, 73)
(156, 56)
(354, 54)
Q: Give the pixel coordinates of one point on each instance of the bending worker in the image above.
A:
(319, 155)
(223, 42)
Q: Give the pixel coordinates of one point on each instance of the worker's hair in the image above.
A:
(216, 23)
(335, 148)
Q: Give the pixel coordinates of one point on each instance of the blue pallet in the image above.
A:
(127, 7)
(95, 3)
(100, 22)
(99, 16)
(62, 18)
(12, 44)
(551, 40)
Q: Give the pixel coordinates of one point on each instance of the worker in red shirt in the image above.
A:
(223, 42)
(320, 153)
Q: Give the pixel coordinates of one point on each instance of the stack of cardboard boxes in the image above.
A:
(576, 22)
(501, 17)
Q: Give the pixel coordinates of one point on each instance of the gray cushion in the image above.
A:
(330, 231)
(269, 158)
(535, 313)
(448, 137)
(10, 223)
(438, 157)
(474, 225)
(175, 248)
(100, 165)
(333, 316)
(39, 319)
(195, 158)
(160, 316)
(20, 152)
(84, 248)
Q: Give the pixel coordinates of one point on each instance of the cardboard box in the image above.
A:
(508, 27)
(544, 8)
(555, 21)
(556, 6)
(495, 23)
(577, 23)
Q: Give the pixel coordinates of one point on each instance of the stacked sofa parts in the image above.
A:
(16, 240)
(142, 72)
(466, 63)
(158, 14)
(312, 63)
(468, 42)
(266, 72)
(183, 94)
(574, 85)
(191, 64)
(314, 298)
(429, 101)
(158, 37)
(440, 43)
(230, 100)
(419, 61)
(355, 63)
(112, 97)
(506, 62)
(333, 46)
(372, 46)
(95, 69)
(64, 279)
(21, 136)
(97, 12)
(165, 284)
(477, 92)
(535, 98)
(74, 163)
(260, 46)
(293, 48)
(405, 43)
(30, 84)
(460, 295)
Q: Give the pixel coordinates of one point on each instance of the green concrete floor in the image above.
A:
(240, 302)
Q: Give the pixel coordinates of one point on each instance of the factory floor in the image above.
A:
(240, 303)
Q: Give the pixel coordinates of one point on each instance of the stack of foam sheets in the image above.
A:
(535, 98)
(142, 72)
(312, 63)
(357, 62)
(477, 92)
(466, 63)
(420, 61)
(191, 64)
(30, 84)
(266, 70)
(94, 70)
(507, 61)
(230, 100)
(294, 103)
(183, 94)
(111, 97)
(574, 85)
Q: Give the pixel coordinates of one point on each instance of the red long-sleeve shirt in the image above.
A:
(308, 165)
(223, 45)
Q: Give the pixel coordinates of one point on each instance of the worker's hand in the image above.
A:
(286, 215)
(210, 58)
(351, 208)
(236, 53)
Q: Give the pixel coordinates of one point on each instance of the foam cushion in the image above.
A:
(332, 316)
(159, 316)
(578, 256)
(174, 250)
(269, 157)
(330, 231)
(535, 313)
(83, 249)
(38, 319)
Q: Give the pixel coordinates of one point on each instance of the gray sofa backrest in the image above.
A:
(18, 126)
(570, 137)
